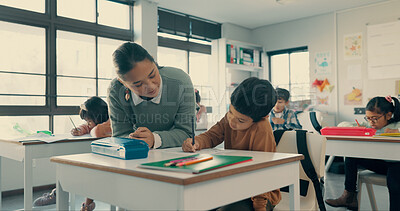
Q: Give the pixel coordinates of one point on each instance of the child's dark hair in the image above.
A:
(127, 55)
(94, 109)
(381, 105)
(254, 97)
(282, 94)
(198, 98)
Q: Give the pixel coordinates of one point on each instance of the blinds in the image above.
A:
(188, 26)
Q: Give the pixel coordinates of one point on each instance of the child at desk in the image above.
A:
(282, 117)
(244, 127)
(95, 112)
(201, 113)
(382, 114)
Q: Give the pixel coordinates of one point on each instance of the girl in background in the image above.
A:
(201, 113)
(95, 112)
(382, 114)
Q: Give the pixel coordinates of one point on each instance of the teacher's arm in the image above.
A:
(121, 124)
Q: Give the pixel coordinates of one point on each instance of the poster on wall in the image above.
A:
(323, 100)
(323, 63)
(352, 46)
(384, 50)
(353, 92)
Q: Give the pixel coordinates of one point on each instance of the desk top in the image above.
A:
(130, 167)
(364, 138)
(36, 142)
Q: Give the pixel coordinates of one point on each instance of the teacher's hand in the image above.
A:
(143, 133)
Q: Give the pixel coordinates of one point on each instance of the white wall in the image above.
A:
(234, 32)
(145, 25)
(315, 32)
(354, 21)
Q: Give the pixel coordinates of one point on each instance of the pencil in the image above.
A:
(190, 162)
(73, 123)
(357, 123)
(193, 130)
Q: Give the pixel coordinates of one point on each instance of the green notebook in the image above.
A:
(217, 161)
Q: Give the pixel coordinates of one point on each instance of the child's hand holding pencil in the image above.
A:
(188, 146)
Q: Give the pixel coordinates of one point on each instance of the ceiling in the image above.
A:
(252, 14)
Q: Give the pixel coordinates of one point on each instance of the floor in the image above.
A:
(333, 188)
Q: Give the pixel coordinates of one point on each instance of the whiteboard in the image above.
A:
(383, 41)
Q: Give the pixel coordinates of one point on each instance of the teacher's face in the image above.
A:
(143, 79)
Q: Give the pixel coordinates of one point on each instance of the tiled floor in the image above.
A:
(333, 188)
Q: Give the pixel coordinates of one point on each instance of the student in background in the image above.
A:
(382, 114)
(281, 117)
(95, 112)
(148, 102)
(201, 114)
(244, 127)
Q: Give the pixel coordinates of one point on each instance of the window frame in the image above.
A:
(284, 51)
(51, 23)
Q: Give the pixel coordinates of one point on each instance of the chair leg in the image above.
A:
(329, 162)
(359, 185)
(371, 195)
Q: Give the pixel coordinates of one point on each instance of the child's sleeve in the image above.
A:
(101, 130)
(214, 136)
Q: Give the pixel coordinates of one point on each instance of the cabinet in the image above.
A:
(233, 62)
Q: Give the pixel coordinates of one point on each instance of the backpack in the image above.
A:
(308, 167)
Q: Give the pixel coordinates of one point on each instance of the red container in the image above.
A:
(348, 131)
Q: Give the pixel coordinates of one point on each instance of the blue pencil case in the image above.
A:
(123, 148)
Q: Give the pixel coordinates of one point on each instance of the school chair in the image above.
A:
(310, 120)
(316, 148)
(370, 178)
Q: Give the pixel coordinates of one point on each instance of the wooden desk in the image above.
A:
(26, 152)
(124, 184)
(385, 148)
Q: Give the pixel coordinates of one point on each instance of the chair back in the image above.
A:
(316, 146)
(307, 117)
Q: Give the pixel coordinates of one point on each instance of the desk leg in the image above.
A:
(28, 181)
(62, 197)
(1, 196)
(294, 193)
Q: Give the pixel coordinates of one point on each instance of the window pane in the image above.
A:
(113, 14)
(280, 70)
(199, 66)
(22, 100)
(76, 54)
(172, 57)
(19, 126)
(103, 86)
(22, 84)
(300, 76)
(23, 48)
(62, 123)
(71, 101)
(33, 5)
(84, 10)
(76, 86)
(106, 49)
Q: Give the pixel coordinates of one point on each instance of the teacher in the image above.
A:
(148, 102)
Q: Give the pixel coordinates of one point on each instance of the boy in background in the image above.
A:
(281, 117)
(244, 127)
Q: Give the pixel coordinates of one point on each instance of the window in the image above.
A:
(58, 53)
(289, 69)
(32, 5)
(173, 58)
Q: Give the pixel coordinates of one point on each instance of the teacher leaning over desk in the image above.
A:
(148, 102)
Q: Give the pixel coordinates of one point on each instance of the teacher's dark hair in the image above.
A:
(127, 55)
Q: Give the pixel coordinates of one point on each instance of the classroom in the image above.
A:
(331, 68)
